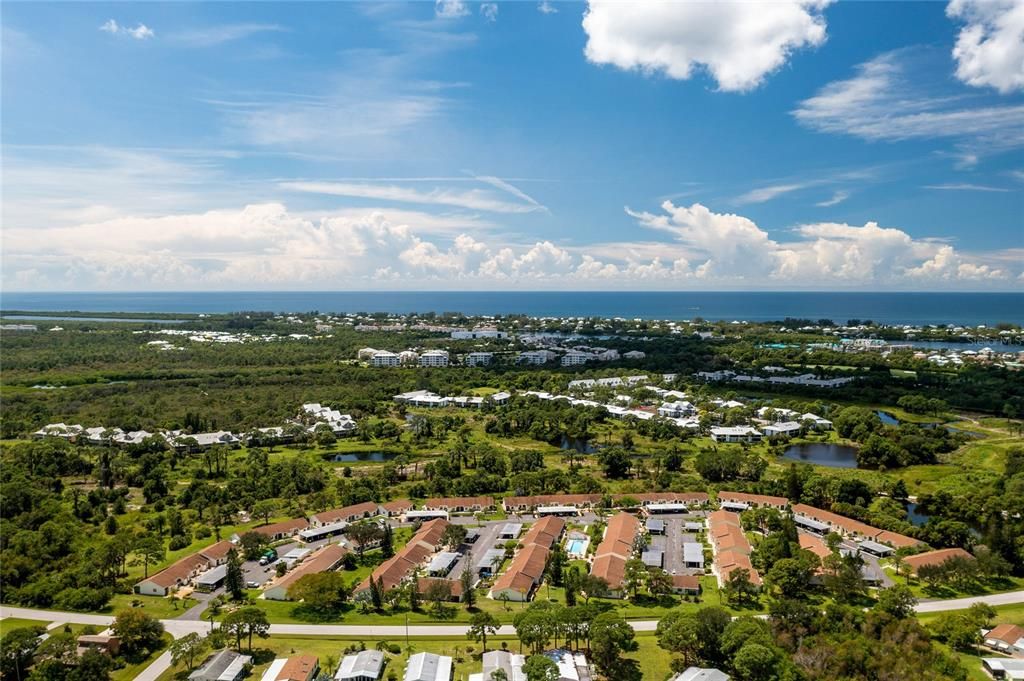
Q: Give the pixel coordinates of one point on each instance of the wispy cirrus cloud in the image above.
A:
(836, 198)
(888, 101)
(211, 36)
(965, 187)
(472, 199)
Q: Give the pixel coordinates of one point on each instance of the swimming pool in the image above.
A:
(576, 547)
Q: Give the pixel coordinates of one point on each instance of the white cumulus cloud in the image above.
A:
(139, 32)
(489, 11)
(990, 48)
(738, 43)
(450, 9)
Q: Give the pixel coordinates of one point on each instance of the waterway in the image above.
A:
(364, 456)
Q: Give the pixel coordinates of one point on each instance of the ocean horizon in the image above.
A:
(840, 306)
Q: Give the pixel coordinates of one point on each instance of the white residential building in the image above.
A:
(385, 358)
(535, 357)
(434, 358)
(608, 355)
(366, 665)
(408, 358)
(676, 409)
(819, 422)
(474, 359)
(428, 667)
(477, 333)
(634, 354)
(784, 429)
(735, 434)
(576, 358)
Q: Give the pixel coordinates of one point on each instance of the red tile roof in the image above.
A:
(939, 557)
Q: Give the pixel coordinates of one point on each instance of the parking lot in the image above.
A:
(671, 543)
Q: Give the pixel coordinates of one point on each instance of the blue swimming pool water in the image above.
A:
(576, 545)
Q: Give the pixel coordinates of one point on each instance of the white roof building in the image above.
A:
(428, 667)
(493, 660)
(366, 665)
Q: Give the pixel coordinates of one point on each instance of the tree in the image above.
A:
(139, 633)
(248, 621)
(252, 544)
(677, 633)
(789, 577)
(468, 593)
(503, 597)
(659, 582)
(540, 668)
(738, 587)
(439, 591)
(898, 601)
(453, 536)
(93, 666)
(755, 662)
(234, 581)
(610, 637)
(149, 549)
(363, 534)
(16, 650)
(324, 592)
(265, 509)
(387, 542)
(188, 649)
(480, 625)
(592, 586)
(636, 573)
(616, 462)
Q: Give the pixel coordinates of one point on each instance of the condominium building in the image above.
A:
(434, 358)
(384, 358)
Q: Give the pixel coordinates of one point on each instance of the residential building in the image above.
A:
(428, 667)
(479, 359)
(933, 558)
(526, 570)
(576, 358)
(348, 514)
(700, 674)
(686, 584)
(434, 358)
(478, 333)
(785, 429)
(392, 572)
(459, 504)
(615, 549)
(104, 643)
(735, 434)
(743, 501)
(385, 358)
(326, 559)
(223, 665)
(297, 668)
(493, 660)
(730, 545)
(281, 530)
(817, 422)
(634, 354)
(366, 665)
(184, 570)
(536, 357)
(1004, 668)
(678, 409)
(1006, 638)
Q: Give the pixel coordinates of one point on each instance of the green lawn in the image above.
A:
(155, 606)
(10, 623)
(924, 591)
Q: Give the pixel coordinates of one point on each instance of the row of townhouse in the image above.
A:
(616, 548)
(570, 504)
(394, 571)
(184, 570)
(525, 572)
(326, 559)
(426, 398)
(873, 539)
(869, 573)
(730, 546)
(802, 379)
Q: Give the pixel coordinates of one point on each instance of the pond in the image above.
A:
(823, 454)
(887, 418)
(579, 444)
(364, 456)
(915, 518)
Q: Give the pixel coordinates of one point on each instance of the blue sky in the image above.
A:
(790, 145)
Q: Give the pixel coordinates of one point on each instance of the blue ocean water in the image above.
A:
(891, 308)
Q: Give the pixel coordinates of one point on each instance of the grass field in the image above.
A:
(10, 623)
